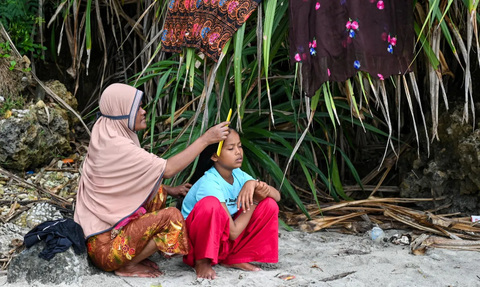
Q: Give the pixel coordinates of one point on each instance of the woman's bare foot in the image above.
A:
(149, 263)
(203, 268)
(244, 266)
(138, 270)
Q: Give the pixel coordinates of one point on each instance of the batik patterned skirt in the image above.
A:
(165, 226)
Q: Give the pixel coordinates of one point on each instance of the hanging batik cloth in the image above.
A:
(334, 39)
(204, 24)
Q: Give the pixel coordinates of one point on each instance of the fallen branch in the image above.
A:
(336, 277)
(60, 199)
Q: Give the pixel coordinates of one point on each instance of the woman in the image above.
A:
(231, 218)
(120, 203)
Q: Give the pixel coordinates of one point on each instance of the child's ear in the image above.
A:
(214, 157)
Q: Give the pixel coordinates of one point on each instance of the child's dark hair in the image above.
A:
(204, 161)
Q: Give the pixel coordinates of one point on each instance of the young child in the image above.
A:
(231, 218)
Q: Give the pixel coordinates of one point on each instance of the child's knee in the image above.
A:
(269, 205)
(209, 205)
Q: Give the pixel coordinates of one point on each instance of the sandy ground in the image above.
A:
(313, 259)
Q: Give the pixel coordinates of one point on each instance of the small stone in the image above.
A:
(2, 99)
(59, 164)
(22, 196)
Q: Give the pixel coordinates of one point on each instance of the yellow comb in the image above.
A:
(220, 144)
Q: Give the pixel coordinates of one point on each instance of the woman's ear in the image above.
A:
(214, 157)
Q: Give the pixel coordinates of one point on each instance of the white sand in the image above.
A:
(374, 264)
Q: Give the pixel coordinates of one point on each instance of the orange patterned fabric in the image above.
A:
(165, 226)
(204, 24)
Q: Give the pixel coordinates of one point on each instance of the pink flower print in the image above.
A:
(388, 38)
(232, 6)
(354, 25)
(314, 43)
(380, 76)
(328, 72)
(384, 36)
(213, 37)
(393, 41)
(186, 3)
(348, 25)
(317, 6)
(380, 5)
(297, 57)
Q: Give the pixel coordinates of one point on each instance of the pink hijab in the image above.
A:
(118, 175)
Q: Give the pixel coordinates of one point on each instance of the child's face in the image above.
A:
(231, 156)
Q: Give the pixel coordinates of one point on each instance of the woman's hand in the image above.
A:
(177, 191)
(261, 191)
(216, 133)
(245, 197)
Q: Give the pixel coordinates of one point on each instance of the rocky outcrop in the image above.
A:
(452, 170)
(34, 136)
(65, 267)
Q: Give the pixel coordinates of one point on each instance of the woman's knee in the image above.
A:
(170, 213)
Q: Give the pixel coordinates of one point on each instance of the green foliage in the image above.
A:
(5, 50)
(11, 103)
(12, 65)
(20, 19)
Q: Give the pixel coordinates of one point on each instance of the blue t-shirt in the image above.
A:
(213, 184)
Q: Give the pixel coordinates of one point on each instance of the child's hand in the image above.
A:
(261, 191)
(245, 197)
(217, 133)
(180, 190)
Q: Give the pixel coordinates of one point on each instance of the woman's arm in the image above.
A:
(178, 162)
(238, 225)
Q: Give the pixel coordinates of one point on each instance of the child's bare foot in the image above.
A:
(244, 266)
(149, 263)
(138, 270)
(203, 268)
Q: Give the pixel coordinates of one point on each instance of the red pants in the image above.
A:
(208, 228)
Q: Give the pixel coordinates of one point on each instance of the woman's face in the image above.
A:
(140, 120)
(231, 156)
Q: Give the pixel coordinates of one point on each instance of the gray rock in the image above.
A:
(65, 267)
(39, 213)
(452, 170)
(8, 233)
(2, 99)
(35, 138)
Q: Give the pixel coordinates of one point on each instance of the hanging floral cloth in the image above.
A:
(204, 24)
(333, 39)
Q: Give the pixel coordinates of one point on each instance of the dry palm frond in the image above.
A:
(381, 210)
